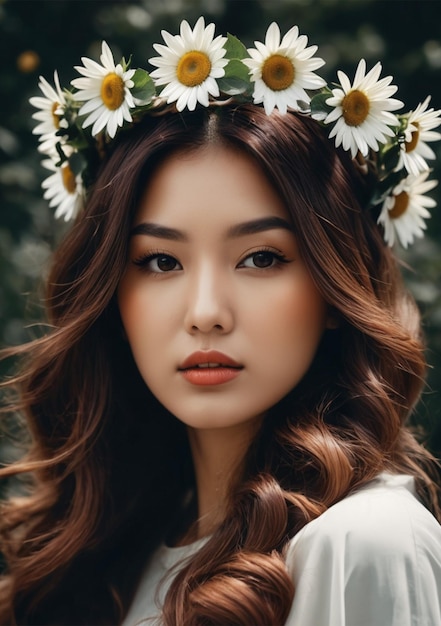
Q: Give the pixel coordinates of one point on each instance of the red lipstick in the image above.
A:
(209, 368)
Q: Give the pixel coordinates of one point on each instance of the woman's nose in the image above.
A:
(209, 306)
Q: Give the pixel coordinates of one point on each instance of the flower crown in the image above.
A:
(196, 68)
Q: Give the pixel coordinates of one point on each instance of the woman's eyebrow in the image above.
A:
(237, 230)
(258, 226)
(156, 230)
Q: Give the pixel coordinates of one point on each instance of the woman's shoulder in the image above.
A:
(383, 514)
(374, 557)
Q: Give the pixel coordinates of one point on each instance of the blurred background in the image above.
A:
(38, 36)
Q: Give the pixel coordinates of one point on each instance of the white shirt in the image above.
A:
(372, 559)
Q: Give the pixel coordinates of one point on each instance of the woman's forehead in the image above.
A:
(217, 182)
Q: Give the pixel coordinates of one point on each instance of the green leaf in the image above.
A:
(141, 78)
(77, 163)
(144, 89)
(404, 123)
(235, 48)
(318, 102)
(60, 153)
(390, 157)
(233, 86)
(384, 187)
(237, 69)
(236, 80)
(126, 64)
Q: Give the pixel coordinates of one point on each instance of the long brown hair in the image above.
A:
(110, 467)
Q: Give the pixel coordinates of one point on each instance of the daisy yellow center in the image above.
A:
(55, 117)
(278, 72)
(112, 91)
(355, 107)
(400, 206)
(412, 144)
(193, 68)
(68, 178)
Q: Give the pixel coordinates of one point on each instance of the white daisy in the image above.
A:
(63, 189)
(105, 92)
(50, 114)
(189, 65)
(403, 213)
(282, 70)
(420, 125)
(362, 110)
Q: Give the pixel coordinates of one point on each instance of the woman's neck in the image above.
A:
(218, 456)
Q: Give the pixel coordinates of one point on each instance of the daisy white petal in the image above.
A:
(50, 114)
(272, 38)
(192, 100)
(186, 32)
(260, 49)
(106, 57)
(291, 37)
(362, 110)
(404, 211)
(91, 67)
(201, 31)
(419, 131)
(63, 189)
(173, 42)
(173, 91)
(283, 71)
(103, 121)
(104, 90)
(189, 65)
(206, 36)
(346, 86)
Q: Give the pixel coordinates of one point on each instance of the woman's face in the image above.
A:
(220, 311)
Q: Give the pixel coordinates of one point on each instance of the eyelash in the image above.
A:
(278, 257)
(144, 261)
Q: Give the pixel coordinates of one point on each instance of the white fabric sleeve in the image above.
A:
(373, 559)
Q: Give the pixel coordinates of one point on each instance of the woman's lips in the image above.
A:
(209, 368)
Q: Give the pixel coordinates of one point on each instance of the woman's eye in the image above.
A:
(158, 263)
(262, 259)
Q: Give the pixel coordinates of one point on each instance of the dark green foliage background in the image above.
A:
(405, 35)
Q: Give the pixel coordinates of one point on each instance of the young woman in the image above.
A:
(218, 412)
